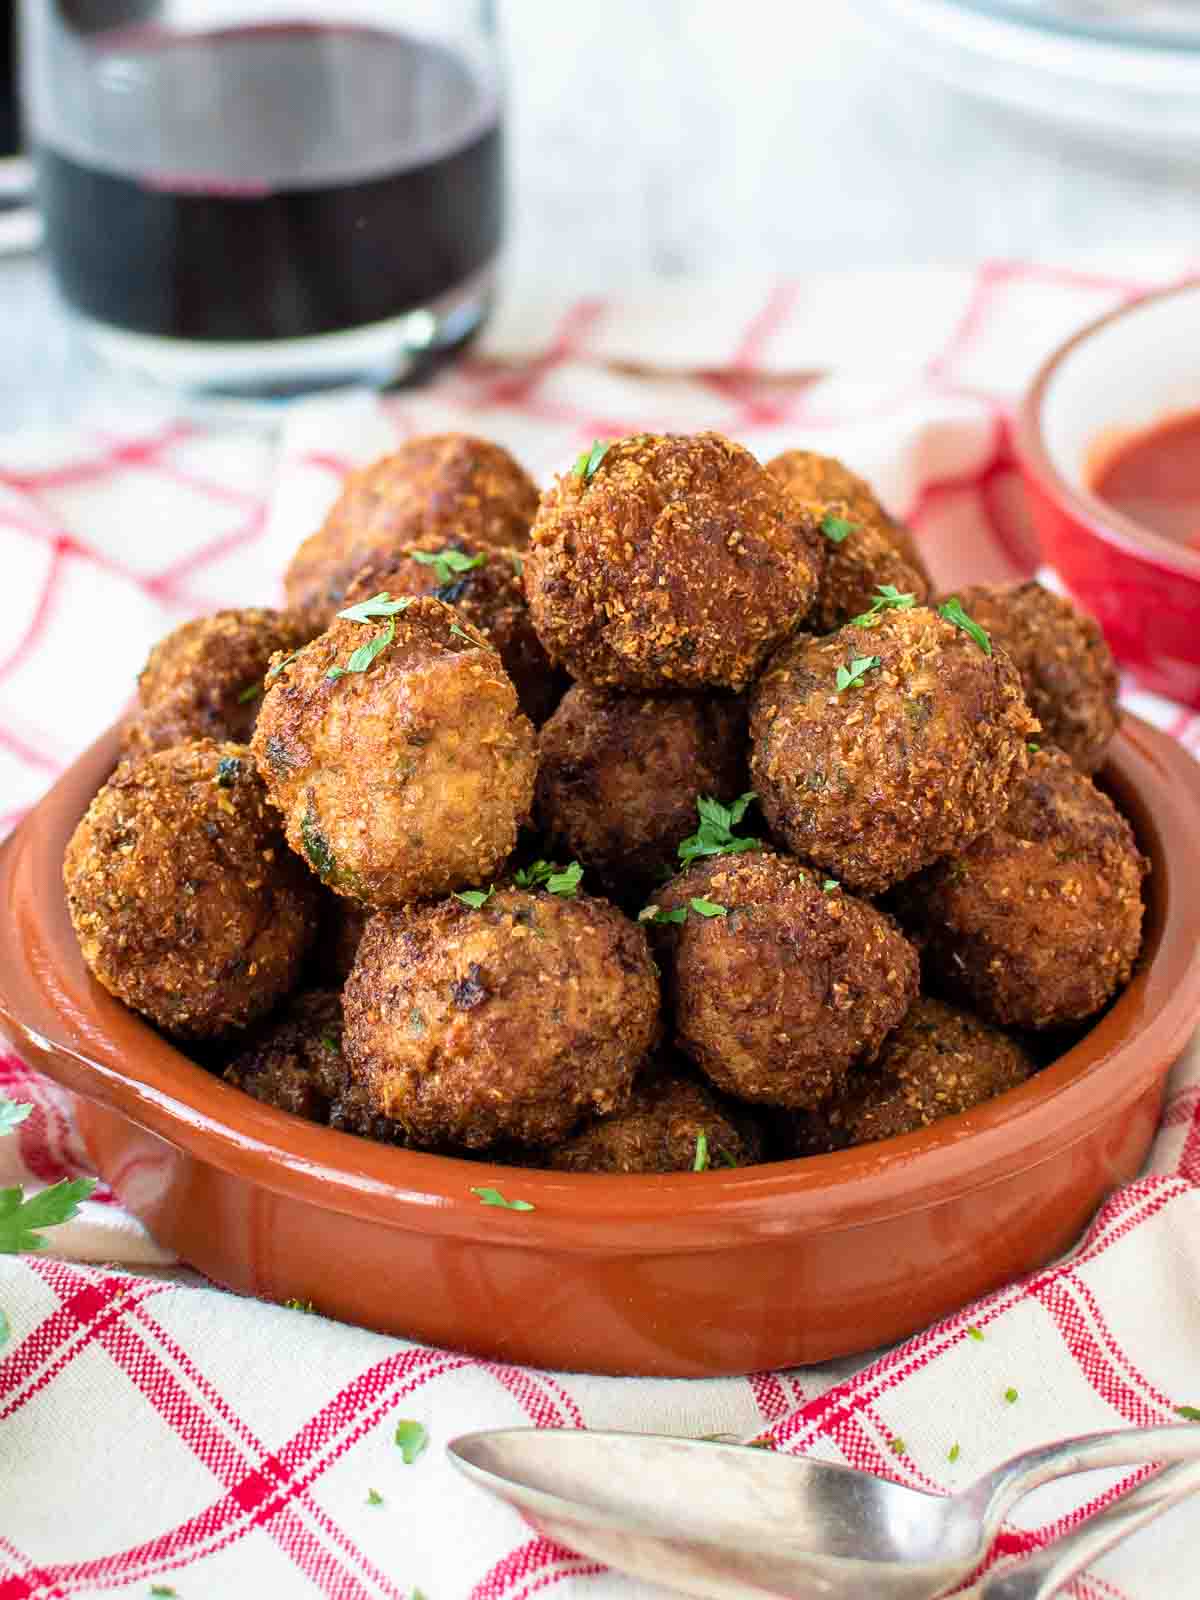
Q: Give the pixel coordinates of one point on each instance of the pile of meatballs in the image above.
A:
(666, 820)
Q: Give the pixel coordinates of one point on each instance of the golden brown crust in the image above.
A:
(618, 777)
(1039, 922)
(826, 483)
(855, 567)
(778, 999)
(680, 563)
(204, 680)
(906, 765)
(659, 1131)
(443, 486)
(1067, 670)
(511, 1021)
(939, 1062)
(408, 779)
(185, 901)
(491, 596)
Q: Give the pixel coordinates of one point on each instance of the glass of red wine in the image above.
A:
(265, 198)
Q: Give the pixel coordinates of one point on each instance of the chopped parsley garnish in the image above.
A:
(829, 885)
(700, 1164)
(12, 1114)
(708, 908)
(847, 677)
(411, 1439)
(378, 606)
(953, 612)
(316, 846)
(300, 1305)
(1010, 1396)
(462, 633)
(374, 1498)
(447, 563)
(1033, 748)
(549, 875)
(898, 1447)
(331, 1042)
(836, 529)
(657, 914)
(887, 598)
(493, 1197)
(588, 460)
(250, 692)
(274, 671)
(163, 1591)
(229, 770)
(1188, 1413)
(976, 1334)
(714, 836)
(21, 1217)
(476, 898)
(362, 658)
(953, 1453)
(518, 564)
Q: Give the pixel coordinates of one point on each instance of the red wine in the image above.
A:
(326, 179)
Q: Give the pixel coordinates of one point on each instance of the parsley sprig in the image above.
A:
(588, 460)
(379, 605)
(21, 1217)
(953, 612)
(476, 898)
(715, 836)
(887, 598)
(702, 908)
(549, 875)
(448, 563)
(848, 677)
(411, 1439)
(837, 529)
(701, 1163)
(493, 1197)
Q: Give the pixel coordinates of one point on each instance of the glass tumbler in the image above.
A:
(264, 198)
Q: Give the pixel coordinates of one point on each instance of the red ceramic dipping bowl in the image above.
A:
(1118, 376)
(690, 1274)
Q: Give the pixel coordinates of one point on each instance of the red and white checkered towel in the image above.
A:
(154, 1431)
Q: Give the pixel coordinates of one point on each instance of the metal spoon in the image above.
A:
(730, 1522)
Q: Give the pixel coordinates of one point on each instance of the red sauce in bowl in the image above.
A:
(1153, 478)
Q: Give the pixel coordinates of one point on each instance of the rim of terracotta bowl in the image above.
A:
(1113, 527)
(97, 1048)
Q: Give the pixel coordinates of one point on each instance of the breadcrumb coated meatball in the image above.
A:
(859, 562)
(508, 1021)
(406, 779)
(295, 1061)
(1038, 922)
(204, 680)
(1067, 670)
(618, 777)
(484, 585)
(186, 903)
(660, 1131)
(678, 562)
(910, 760)
(444, 486)
(826, 484)
(790, 982)
(938, 1062)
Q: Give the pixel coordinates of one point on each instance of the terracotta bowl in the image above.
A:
(1115, 377)
(690, 1275)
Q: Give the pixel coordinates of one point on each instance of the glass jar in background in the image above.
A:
(262, 198)
(8, 80)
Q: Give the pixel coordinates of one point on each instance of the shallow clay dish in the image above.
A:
(692, 1275)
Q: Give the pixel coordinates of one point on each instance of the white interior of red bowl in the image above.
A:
(1124, 375)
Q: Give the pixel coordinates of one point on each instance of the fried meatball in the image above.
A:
(185, 901)
(512, 1020)
(938, 1062)
(444, 486)
(407, 778)
(777, 995)
(490, 594)
(204, 680)
(859, 562)
(911, 760)
(659, 1131)
(618, 777)
(677, 563)
(824, 483)
(1067, 670)
(295, 1062)
(1038, 922)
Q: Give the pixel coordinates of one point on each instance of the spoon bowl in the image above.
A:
(729, 1521)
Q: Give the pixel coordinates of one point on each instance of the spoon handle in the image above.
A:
(993, 1495)
(1045, 1573)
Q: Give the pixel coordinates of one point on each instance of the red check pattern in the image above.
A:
(154, 1430)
